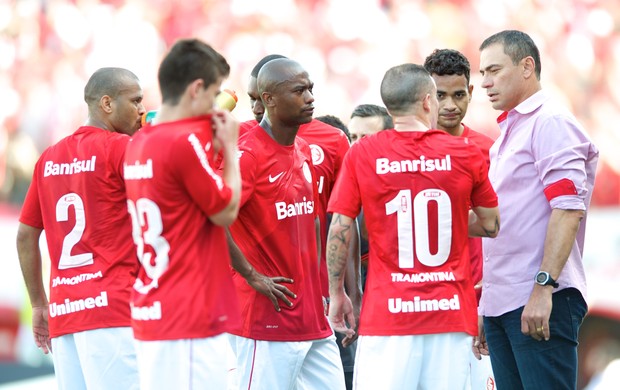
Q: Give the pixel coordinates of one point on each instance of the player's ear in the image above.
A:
(471, 90)
(106, 104)
(267, 99)
(195, 87)
(426, 103)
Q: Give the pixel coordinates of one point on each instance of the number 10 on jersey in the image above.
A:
(413, 227)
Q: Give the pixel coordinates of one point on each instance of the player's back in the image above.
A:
(172, 190)
(415, 188)
(83, 211)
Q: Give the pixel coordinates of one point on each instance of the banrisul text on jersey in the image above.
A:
(76, 166)
(424, 164)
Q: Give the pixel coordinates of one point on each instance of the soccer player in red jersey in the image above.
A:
(77, 196)
(328, 145)
(184, 301)
(416, 185)
(276, 234)
(451, 70)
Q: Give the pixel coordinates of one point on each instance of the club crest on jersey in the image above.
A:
(317, 154)
(307, 174)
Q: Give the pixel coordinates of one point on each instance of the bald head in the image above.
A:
(259, 65)
(404, 87)
(107, 81)
(114, 99)
(277, 72)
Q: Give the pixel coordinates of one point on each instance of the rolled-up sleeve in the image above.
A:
(561, 153)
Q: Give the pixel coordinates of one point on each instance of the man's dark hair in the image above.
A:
(372, 110)
(517, 45)
(335, 122)
(447, 62)
(189, 60)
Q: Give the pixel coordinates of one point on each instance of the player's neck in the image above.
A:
(410, 123)
(96, 122)
(282, 135)
(456, 131)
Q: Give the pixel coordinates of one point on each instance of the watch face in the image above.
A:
(542, 277)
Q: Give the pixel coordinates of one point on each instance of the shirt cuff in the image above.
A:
(569, 202)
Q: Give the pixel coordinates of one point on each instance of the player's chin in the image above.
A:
(447, 124)
(305, 118)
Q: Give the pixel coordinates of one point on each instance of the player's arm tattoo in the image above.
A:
(337, 246)
(492, 232)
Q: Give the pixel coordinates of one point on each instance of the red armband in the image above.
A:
(560, 188)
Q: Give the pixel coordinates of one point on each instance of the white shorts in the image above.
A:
(481, 373)
(436, 361)
(183, 364)
(288, 365)
(98, 359)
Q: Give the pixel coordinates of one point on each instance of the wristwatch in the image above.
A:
(544, 279)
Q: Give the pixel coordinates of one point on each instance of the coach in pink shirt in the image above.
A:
(542, 168)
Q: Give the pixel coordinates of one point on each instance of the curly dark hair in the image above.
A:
(444, 62)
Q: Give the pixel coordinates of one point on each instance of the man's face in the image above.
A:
(359, 127)
(255, 103)
(502, 79)
(294, 100)
(127, 108)
(453, 95)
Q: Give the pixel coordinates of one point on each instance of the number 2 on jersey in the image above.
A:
(408, 219)
(67, 260)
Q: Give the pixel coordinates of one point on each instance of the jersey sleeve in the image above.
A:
(343, 148)
(31, 214)
(345, 198)
(193, 169)
(483, 194)
(247, 165)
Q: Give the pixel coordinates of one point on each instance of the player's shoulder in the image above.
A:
(468, 132)
(318, 130)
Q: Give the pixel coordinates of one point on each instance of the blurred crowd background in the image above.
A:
(49, 48)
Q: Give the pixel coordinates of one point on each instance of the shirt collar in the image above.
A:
(527, 106)
(532, 103)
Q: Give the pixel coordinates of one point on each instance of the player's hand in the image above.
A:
(535, 316)
(40, 328)
(225, 128)
(479, 345)
(342, 317)
(272, 288)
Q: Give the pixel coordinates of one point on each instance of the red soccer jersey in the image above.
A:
(415, 188)
(244, 127)
(77, 196)
(484, 143)
(275, 231)
(328, 145)
(184, 288)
